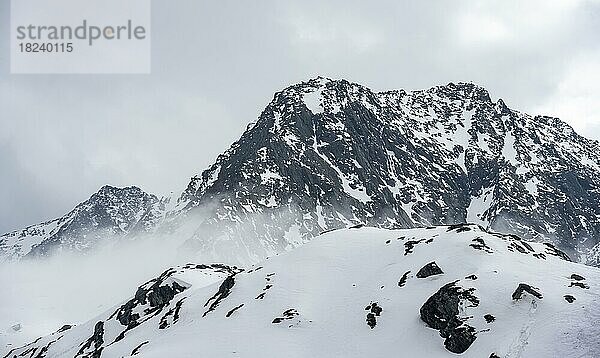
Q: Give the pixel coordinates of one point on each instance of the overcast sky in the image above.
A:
(216, 64)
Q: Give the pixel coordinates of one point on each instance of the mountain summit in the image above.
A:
(109, 214)
(326, 154)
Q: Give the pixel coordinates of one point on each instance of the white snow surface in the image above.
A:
(476, 212)
(329, 282)
(313, 101)
(508, 150)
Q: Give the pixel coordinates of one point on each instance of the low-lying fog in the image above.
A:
(39, 296)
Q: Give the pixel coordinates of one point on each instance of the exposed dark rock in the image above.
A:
(266, 288)
(552, 250)
(489, 318)
(92, 348)
(579, 284)
(164, 321)
(569, 298)
(155, 295)
(64, 328)
(441, 312)
(177, 309)
(520, 247)
(234, 309)
(410, 245)
(459, 228)
(430, 269)
(162, 295)
(514, 245)
(527, 245)
(255, 269)
(577, 277)
(136, 350)
(460, 339)
(374, 311)
(471, 277)
(403, 279)
(222, 293)
(371, 320)
(523, 287)
(287, 315)
(41, 353)
(479, 244)
(374, 308)
(328, 230)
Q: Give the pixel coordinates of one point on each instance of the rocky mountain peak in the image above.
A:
(109, 213)
(341, 154)
(326, 154)
(111, 194)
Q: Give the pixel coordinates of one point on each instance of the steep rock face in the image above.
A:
(326, 154)
(441, 311)
(107, 215)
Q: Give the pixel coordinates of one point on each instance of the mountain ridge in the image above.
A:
(108, 213)
(326, 154)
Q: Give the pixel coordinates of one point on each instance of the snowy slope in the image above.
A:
(357, 293)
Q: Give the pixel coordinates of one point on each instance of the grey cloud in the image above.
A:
(217, 64)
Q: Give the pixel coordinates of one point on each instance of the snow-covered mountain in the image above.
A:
(326, 154)
(106, 216)
(357, 293)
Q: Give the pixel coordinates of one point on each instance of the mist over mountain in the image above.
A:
(109, 214)
(327, 154)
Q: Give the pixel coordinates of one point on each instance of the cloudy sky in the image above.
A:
(215, 65)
